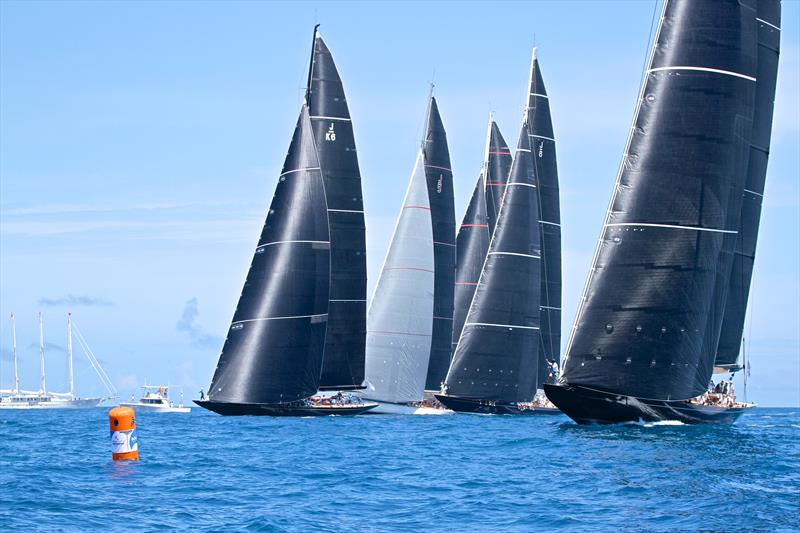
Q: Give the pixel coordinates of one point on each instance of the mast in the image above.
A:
(332, 131)
(439, 178)
(14, 353)
(42, 382)
(543, 144)
(69, 356)
(497, 354)
(768, 18)
(650, 317)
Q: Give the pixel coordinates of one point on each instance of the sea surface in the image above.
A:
(398, 473)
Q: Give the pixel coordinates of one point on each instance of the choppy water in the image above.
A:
(380, 473)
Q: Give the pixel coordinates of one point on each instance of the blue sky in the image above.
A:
(140, 144)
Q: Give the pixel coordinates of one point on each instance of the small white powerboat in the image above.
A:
(156, 399)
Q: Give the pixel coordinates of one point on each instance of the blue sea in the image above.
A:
(398, 473)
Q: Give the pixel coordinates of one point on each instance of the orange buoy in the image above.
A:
(124, 444)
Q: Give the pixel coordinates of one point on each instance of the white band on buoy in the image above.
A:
(124, 441)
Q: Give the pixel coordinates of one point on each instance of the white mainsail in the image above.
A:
(400, 317)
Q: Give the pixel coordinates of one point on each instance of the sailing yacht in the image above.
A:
(664, 301)
(16, 398)
(409, 322)
(300, 325)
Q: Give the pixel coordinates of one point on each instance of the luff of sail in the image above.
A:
(439, 178)
(343, 361)
(400, 317)
(497, 355)
(650, 316)
(543, 146)
(472, 243)
(768, 17)
(274, 347)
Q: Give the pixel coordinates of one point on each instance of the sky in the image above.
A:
(140, 144)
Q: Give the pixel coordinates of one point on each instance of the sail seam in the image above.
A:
(443, 243)
(498, 325)
(299, 170)
(346, 210)
(714, 230)
(330, 118)
(706, 69)
(440, 168)
(550, 223)
(360, 300)
(548, 307)
(519, 183)
(409, 268)
(290, 242)
(754, 192)
(541, 137)
(514, 253)
(277, 318)
(769, 23)
(540, 94)
(522, 150)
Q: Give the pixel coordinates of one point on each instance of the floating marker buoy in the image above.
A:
(124, 444)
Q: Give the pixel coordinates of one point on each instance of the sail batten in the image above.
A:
(650, 317)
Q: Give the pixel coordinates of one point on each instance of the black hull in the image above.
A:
(264, 409)
(486, 407)
(589, 406)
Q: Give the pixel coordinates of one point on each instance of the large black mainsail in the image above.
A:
(472, 241)
(543, 145)
(299, 324)
(343, 363)
(273, 351)
(439, 178)
(768, 17)
(648, 325)
(496, 359)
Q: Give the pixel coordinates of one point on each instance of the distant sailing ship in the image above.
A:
(508, 290)
(17, 398)
(665, 300)
(300, 325)
(409, 320)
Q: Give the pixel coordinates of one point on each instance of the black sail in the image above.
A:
(439, 177)
(769, 20)
(273, 351)
(343, 362)
(497, 167)
(543, 145)
(472, 243)
(498, 353)
(650, 317)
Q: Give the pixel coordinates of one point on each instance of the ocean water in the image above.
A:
(394, 473)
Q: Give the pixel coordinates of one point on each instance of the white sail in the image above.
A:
(400, 317)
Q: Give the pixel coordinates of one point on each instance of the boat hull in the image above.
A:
(77, 403)
(484, 407)
(144, 408)
(589, 406)
(255, 409)
(385, 408)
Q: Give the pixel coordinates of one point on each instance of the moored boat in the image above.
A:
(156, 399)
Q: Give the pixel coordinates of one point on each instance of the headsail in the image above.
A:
(343, 363)
(650, 316)
(273, 351)
(400, 318)
(498, 352)
(768, 17)
(439, 178)
(543, 145)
